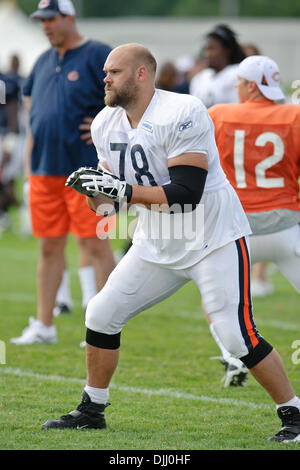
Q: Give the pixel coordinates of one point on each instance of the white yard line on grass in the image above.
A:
(145, 391)
(17, 297)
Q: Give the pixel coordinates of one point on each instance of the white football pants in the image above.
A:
(223, 278)
(283, 249)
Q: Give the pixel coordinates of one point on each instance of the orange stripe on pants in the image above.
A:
(246, 312)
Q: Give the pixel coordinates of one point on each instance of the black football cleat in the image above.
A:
(88, 415)
(290, 431)
(61, 309)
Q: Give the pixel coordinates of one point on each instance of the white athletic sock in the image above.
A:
(88, 284)
(97, 395)
(63, 295)
(224, 351)
(295, 401)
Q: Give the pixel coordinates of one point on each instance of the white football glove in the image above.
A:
(75, 182)
(91, 182)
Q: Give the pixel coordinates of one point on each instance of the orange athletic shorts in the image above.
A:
(57, 210)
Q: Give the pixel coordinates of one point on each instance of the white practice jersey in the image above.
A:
(214, 88)
(173, 124)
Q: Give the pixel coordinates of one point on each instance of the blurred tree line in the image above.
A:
(115, 8)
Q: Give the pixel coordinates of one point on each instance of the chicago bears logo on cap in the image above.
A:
(44, 4)
(276, 76)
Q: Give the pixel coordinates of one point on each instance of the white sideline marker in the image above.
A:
(144, 391)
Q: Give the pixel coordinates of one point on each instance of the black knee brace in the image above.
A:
(257, 354)
(103, 341)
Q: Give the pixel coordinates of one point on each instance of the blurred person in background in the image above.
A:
(199, 64)
(10, 140)
(184, 65)
(63, 94)
(222, 52)
(259, 145)
(261, 286)
(170, 78)
(216, 84)
(250, 49)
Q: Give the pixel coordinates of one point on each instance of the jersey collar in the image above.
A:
(145, 116)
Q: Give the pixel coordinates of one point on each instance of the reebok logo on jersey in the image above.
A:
(185, 125)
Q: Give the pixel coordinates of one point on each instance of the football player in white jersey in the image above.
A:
(157, 150)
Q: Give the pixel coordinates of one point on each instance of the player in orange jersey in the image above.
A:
(259, 146)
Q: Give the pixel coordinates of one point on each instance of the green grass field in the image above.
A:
(167, 392)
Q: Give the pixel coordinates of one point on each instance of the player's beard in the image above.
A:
(125, 96)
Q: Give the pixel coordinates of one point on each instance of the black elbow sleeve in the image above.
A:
(186, 187)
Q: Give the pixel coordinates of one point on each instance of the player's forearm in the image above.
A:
(102, 204)
(148, 196)
(184, 190)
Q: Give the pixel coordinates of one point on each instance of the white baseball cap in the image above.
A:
(265, 73)
(49, 8)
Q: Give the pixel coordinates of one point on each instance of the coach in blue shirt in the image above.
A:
(64, 88)
(64, 92)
